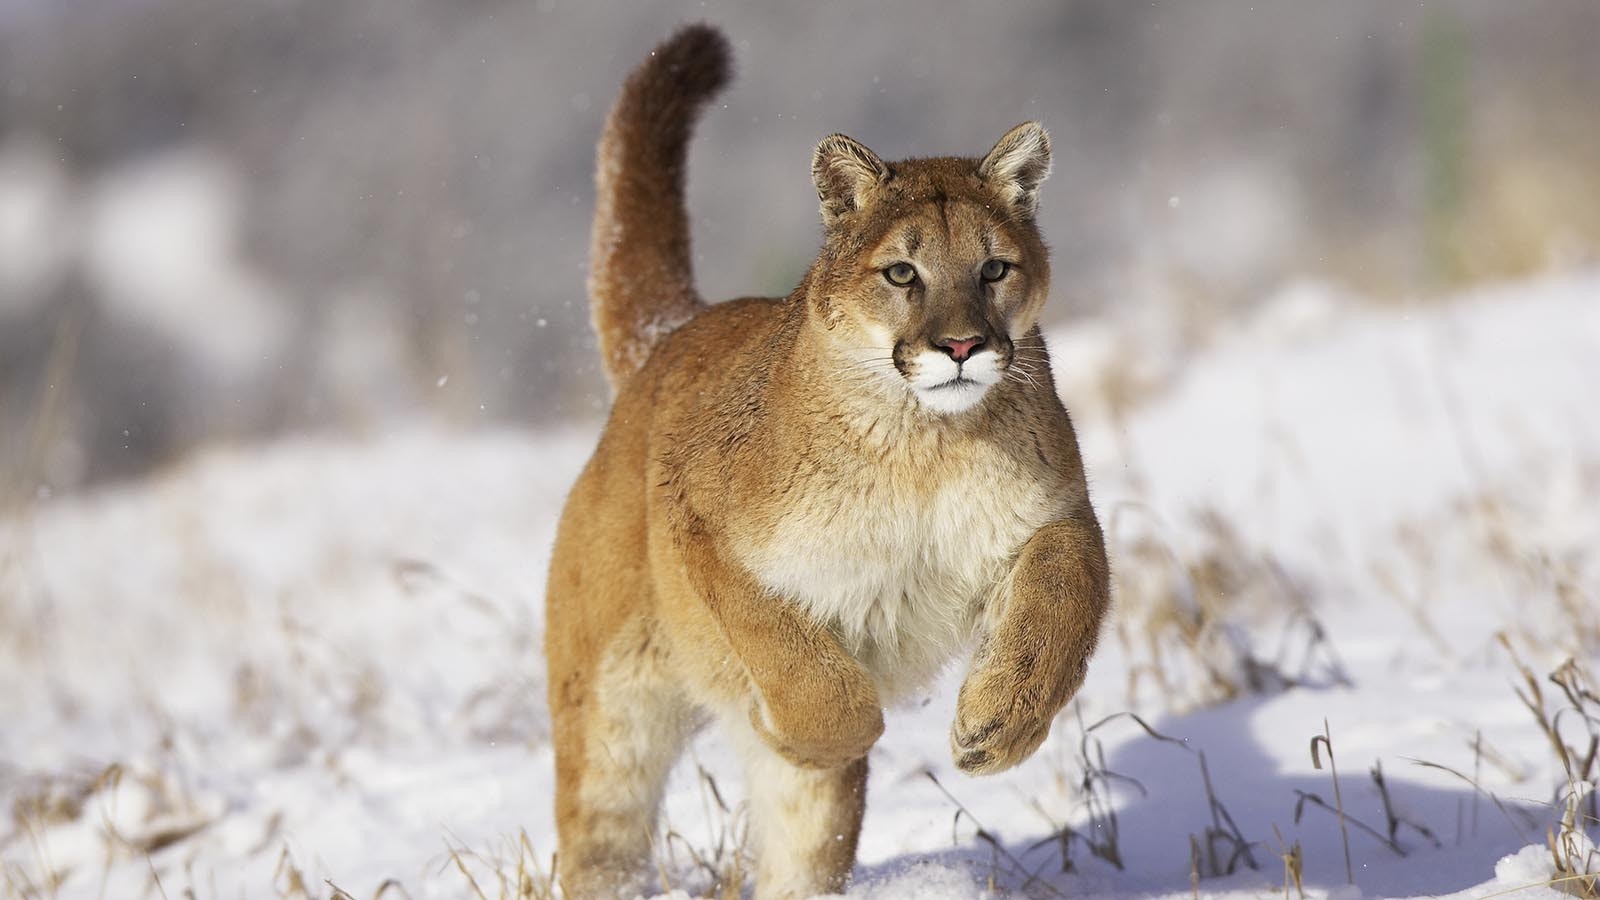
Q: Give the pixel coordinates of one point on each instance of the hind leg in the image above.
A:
(806, 821)
(620, 723)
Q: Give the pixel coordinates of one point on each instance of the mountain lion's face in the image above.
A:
(934, 272)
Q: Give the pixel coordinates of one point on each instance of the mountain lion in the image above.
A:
(801, 508)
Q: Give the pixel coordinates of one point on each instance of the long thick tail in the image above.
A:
(641, 278)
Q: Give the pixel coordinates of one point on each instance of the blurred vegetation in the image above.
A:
(1444, 121)
(228, 220)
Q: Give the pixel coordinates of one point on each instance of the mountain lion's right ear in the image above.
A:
(845, 173)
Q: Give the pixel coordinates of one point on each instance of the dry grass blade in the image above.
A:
(1483, 751)
(1294, 865)
(1194, 867)
(52, 407)
(289, 873)
(1392, 818)
(1533, 699)
(465, 872)
(155, 877)
(1559, 883)
(1326, 739)
(1306, 798)
(391, 884)
(1504, 810)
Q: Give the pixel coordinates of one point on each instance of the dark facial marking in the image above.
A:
(902, 358)
(913, 241)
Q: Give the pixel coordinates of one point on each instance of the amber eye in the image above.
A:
(900, 274)
(995, 269)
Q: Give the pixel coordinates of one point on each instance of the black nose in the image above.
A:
(960, 348)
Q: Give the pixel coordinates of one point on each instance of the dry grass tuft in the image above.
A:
(1576, 858)
(132, 812)
(1101, 835)
(1003, 864)
(517, 869)
(1190, 624)
(1576, 748)
(1218, 849)
(721, 864)
(1392, 819)
(715, 869)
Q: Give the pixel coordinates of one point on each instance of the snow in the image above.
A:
(317, 661)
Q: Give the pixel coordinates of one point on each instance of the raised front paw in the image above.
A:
(819, 723)
(1004, 713)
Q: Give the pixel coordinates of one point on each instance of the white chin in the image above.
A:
(955, 398)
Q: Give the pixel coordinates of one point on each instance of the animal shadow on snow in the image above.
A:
(1154, 824)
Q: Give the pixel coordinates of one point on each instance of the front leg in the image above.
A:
(1033, 658)
(810, 700)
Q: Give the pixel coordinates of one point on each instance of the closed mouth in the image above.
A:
(956, 382)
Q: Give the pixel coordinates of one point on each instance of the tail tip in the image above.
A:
(699, 58)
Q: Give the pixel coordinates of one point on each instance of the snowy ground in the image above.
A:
(313, 667)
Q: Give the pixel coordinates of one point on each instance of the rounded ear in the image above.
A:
(1018, 164)
(845, 173)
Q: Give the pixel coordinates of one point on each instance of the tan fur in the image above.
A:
(797, 511)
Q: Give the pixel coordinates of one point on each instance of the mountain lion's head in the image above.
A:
(933, 273)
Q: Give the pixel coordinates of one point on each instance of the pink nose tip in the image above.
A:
(960, 349)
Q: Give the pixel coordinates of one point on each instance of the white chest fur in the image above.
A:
(900, 566)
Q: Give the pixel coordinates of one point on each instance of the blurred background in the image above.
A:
(230, 221)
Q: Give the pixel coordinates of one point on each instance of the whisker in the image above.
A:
(1024, 368)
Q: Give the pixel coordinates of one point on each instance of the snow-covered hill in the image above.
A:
(312, 667)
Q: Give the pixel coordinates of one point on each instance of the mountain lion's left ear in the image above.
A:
(1018, 164)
